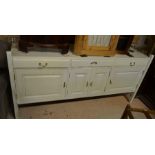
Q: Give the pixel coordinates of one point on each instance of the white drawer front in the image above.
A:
(130, 62)
(40, 63)
(89, 63)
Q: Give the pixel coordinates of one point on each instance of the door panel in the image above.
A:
(99, 79)
(44, 84)
(78, 84)
(124, 79)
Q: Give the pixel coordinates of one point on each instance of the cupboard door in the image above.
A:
(98, 80)
(124, 79)
(40, 84)
(78, 84)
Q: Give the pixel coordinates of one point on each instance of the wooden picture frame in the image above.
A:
(82, 47)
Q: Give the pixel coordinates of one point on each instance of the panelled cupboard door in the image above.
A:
(78, 84)
(124, 79)
(98, 80)
(40, 84)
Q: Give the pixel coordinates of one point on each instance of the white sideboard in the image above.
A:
(48, 76)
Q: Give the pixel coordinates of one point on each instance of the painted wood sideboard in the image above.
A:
(49, 76)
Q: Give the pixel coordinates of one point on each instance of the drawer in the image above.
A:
(130, 62)
(40, 63)
(84, 63)
(124, 69)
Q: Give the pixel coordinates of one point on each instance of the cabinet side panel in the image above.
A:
(12, 81)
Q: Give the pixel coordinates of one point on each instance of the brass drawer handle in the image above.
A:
(91, 84)
(64, 85)
(87, 84)
(132, 63)
(46, 64)
(94, 62)
(40, 64)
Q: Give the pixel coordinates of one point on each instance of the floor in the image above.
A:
(107, 107)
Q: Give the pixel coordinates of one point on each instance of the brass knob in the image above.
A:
(91, 83)
(132, 63)
(94, 62)
(64, 85)
(39, 64)
(46, 64)
(87, 84)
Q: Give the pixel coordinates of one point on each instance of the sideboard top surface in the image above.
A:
(70, 54)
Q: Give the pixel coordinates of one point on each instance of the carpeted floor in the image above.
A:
(106, 107)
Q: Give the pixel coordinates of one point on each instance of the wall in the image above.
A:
(4, 37)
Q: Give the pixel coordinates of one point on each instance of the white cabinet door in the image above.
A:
(124, 79)
(78, 84)
(99, 77)
(40, 84)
